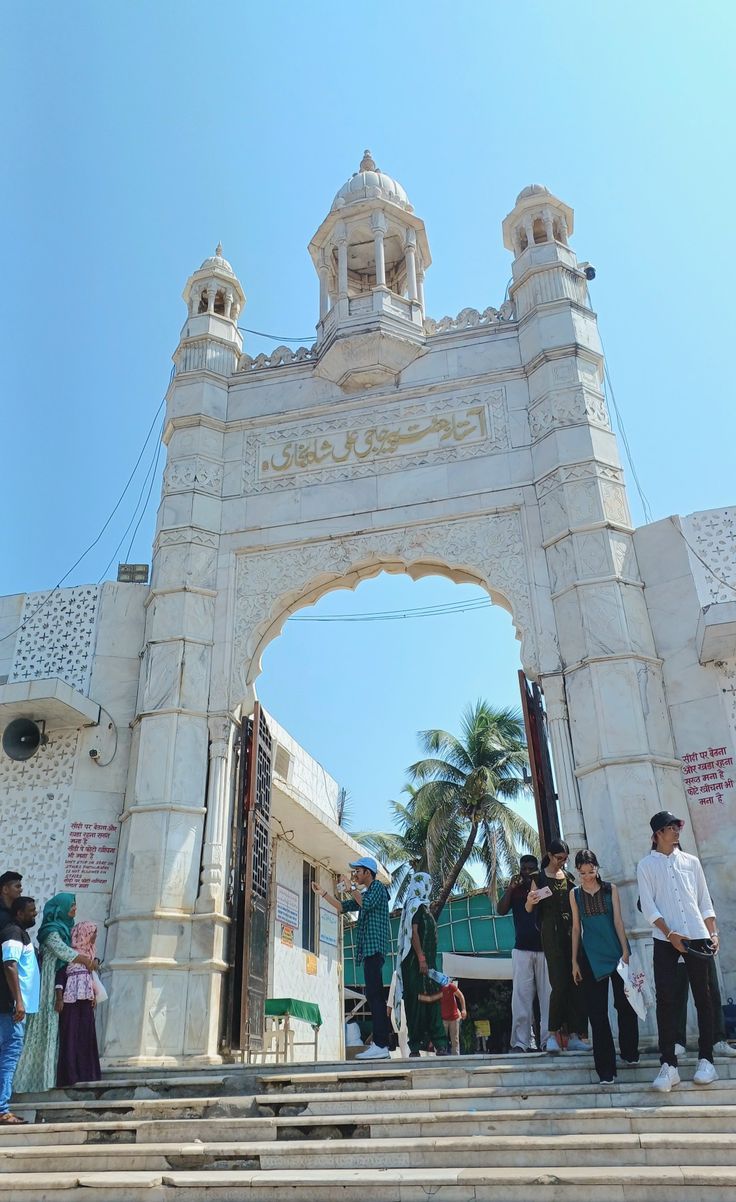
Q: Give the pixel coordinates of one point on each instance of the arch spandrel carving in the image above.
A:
(269, 585)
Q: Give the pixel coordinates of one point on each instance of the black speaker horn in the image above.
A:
(22, 738)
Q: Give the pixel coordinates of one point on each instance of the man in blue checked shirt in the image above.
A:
(367, 896)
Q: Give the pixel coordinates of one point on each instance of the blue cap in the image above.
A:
(366, 862)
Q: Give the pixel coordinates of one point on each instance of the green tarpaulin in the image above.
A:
(277, 1007)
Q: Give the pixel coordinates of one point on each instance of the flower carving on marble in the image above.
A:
(713, 536)
(568, 409)
(469, 318)
(269, 584)
(195, 472)
(351, 446)
(56, 636)
(33, 819)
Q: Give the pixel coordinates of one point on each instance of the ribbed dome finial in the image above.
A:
(367, 163)
(218, 249)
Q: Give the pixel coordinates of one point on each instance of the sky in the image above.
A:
(137, 135)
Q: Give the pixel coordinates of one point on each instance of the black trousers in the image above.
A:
(683, 986)
(665, 983)
(376, 998)
(596, 1000)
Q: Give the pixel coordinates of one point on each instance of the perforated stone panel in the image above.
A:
(57, 636)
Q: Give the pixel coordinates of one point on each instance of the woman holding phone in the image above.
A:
(598, 943)
(550, 896)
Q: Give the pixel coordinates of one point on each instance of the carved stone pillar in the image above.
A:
(229, 298)
(549, 232)
(571, 814)
(411, 264)
(324, 289)
(342, 263)
(379, 225)
(211, 294)
(529, 230)
(420, 283)
(211, 894)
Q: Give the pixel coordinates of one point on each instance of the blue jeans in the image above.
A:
(11, 1046)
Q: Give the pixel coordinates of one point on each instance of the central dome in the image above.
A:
(217, 261)
(367, 183)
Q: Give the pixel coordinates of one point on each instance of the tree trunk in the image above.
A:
(448, 884)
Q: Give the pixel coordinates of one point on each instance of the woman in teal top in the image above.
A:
(598, 943)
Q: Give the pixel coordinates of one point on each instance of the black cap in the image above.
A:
(662, 819)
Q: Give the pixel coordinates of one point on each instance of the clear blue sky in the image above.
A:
(138, 134)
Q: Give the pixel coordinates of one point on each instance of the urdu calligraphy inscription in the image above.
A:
(338, 448)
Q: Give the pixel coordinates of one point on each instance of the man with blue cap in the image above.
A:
(367, 896)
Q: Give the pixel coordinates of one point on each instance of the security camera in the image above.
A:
(94, 753)
(588, 271)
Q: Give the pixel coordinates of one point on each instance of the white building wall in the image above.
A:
(701, 697)
(305, 775)
(288, 974)
(60, 810)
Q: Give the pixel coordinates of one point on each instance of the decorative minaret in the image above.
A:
(167, 926)
(370, 253)
(610, 679)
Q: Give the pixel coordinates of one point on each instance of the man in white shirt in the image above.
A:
(674, 898)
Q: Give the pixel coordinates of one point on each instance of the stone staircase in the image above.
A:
(528, 1128)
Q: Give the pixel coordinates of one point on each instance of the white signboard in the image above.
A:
(90, 856)
(328, 927)
(287, 907)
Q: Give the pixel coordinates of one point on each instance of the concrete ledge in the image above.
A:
(50, 700)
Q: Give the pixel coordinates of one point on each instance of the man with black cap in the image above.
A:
(674, 898)
(10, 889)
(369, 897)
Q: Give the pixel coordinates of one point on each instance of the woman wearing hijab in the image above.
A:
(37, 1065)
(79, 1058)
(416, 955)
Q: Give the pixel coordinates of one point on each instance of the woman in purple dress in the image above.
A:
(75, 1004)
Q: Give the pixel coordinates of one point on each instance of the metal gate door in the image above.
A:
(540, 763)
(250, 908)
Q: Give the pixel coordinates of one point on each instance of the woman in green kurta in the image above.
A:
(416, 955)
(568, 1019)
(37, 1065)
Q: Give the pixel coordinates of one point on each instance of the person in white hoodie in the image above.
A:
(674, 898)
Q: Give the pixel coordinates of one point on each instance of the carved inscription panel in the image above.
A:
(349, 446)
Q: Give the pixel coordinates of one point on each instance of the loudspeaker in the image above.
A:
(22, 739)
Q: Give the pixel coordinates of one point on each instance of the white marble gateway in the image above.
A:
(478, 447)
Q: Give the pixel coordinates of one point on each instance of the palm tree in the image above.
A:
(404, 851)
(464, 788)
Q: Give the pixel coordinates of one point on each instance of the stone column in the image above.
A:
(548, 225)
(324, 289)
(529, 230)
(411, 264)
(568, 797)
(420, 283)
(211, 896)
(379, 226)
(211, 294)
(342, 262)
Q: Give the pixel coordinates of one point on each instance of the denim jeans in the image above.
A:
(376, 998)
(11, 1046)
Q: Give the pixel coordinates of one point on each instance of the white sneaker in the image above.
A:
(374, 1053)
(553, 1046)
(724, 1049)
(576, 1044)
(680, 1049)
(666, 1078)
(705, 1073)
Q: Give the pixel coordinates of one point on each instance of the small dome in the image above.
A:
(533, 190)
(367, 182)
(217, 261)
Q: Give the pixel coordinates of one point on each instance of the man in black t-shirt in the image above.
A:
(529, 966)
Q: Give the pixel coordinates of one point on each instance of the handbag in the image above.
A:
(634, 988)
(99, 988)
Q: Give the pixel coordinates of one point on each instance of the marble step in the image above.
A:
(638, 1183)
(544, 1152)
(591, 1122)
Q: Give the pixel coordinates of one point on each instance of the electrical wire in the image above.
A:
(31, 617)
(394, 615)
(150, 472)
(625, 440)
(277, 337)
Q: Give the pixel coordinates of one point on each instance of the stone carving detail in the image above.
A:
(57, 636)
(468, 318)
(279, 358)
(578, 471)
(568, 409)
(350, 446)
(34, 815)
(198, 473)
(186, 534)
(713, 536)
(268, 583)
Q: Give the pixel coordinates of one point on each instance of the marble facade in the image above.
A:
(477, 447)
